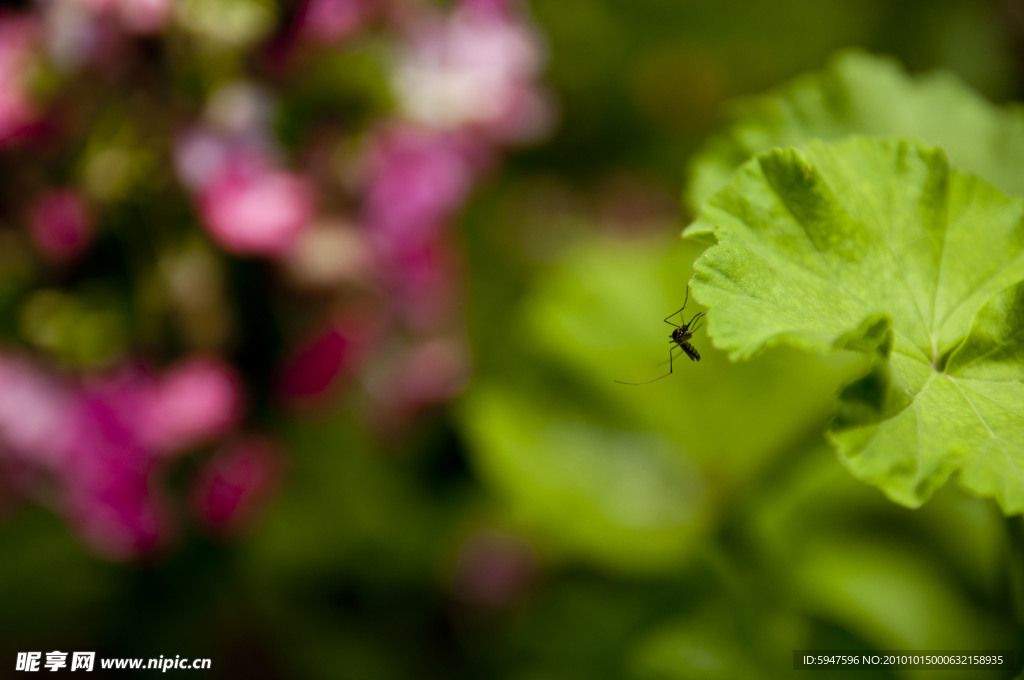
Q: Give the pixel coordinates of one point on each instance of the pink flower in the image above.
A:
(35, 408)
(330, 21)
(109, 476)
(197, 400)
(476, 68)
(101, 444)
(322, 360)
(145, 16)
(136, 16)
(100, 441)
(422, 278)
(416, 180)
(61, 225)
(235, 482)
(430, 373)
(113, 498)
(18, 37)
(251, 209)
(496, 8)
(228, 163)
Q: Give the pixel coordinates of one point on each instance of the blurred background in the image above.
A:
(310, 317)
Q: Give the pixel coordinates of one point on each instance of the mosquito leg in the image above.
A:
(670, 357)
(670, 350)
(673, 314)
(685, 300)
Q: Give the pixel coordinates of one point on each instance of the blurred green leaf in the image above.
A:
(862, 94)
(706, 646)
(617, 495)
(348, 559)
(820, 538)
(47, 582)
(877, 245)
(816, 499)
(347, 86)
(893, 597)
(87, 329)
(235, 23)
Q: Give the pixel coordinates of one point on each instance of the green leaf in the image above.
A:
(880, 247)
(622, 498)
(703, 646)
(889, 594)
(862, 94)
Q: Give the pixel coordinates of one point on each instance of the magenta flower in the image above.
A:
(252, 209)
(330, 21)
(102, 444)
(423, 278)
(87, 441)
(109, 476)
(18, 37)
(416, 180)
(324, 359)
(61, 225)
(113, 499)
(197, 400)
(236, 482)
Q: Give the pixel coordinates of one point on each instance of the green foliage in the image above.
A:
(863, 94)
(879, 246)
(725, 531)
(631, 478)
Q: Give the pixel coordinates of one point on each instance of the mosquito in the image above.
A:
(680, 338)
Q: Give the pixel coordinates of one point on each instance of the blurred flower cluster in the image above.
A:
(215, 214)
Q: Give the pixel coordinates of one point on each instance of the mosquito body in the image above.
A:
(680, 337)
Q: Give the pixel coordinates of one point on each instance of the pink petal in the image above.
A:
(257, 211)
(417, 179)
(236, 481)
(197, 400)
(35, 410)
(61, 226)
(334, 20)
(323, 359)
